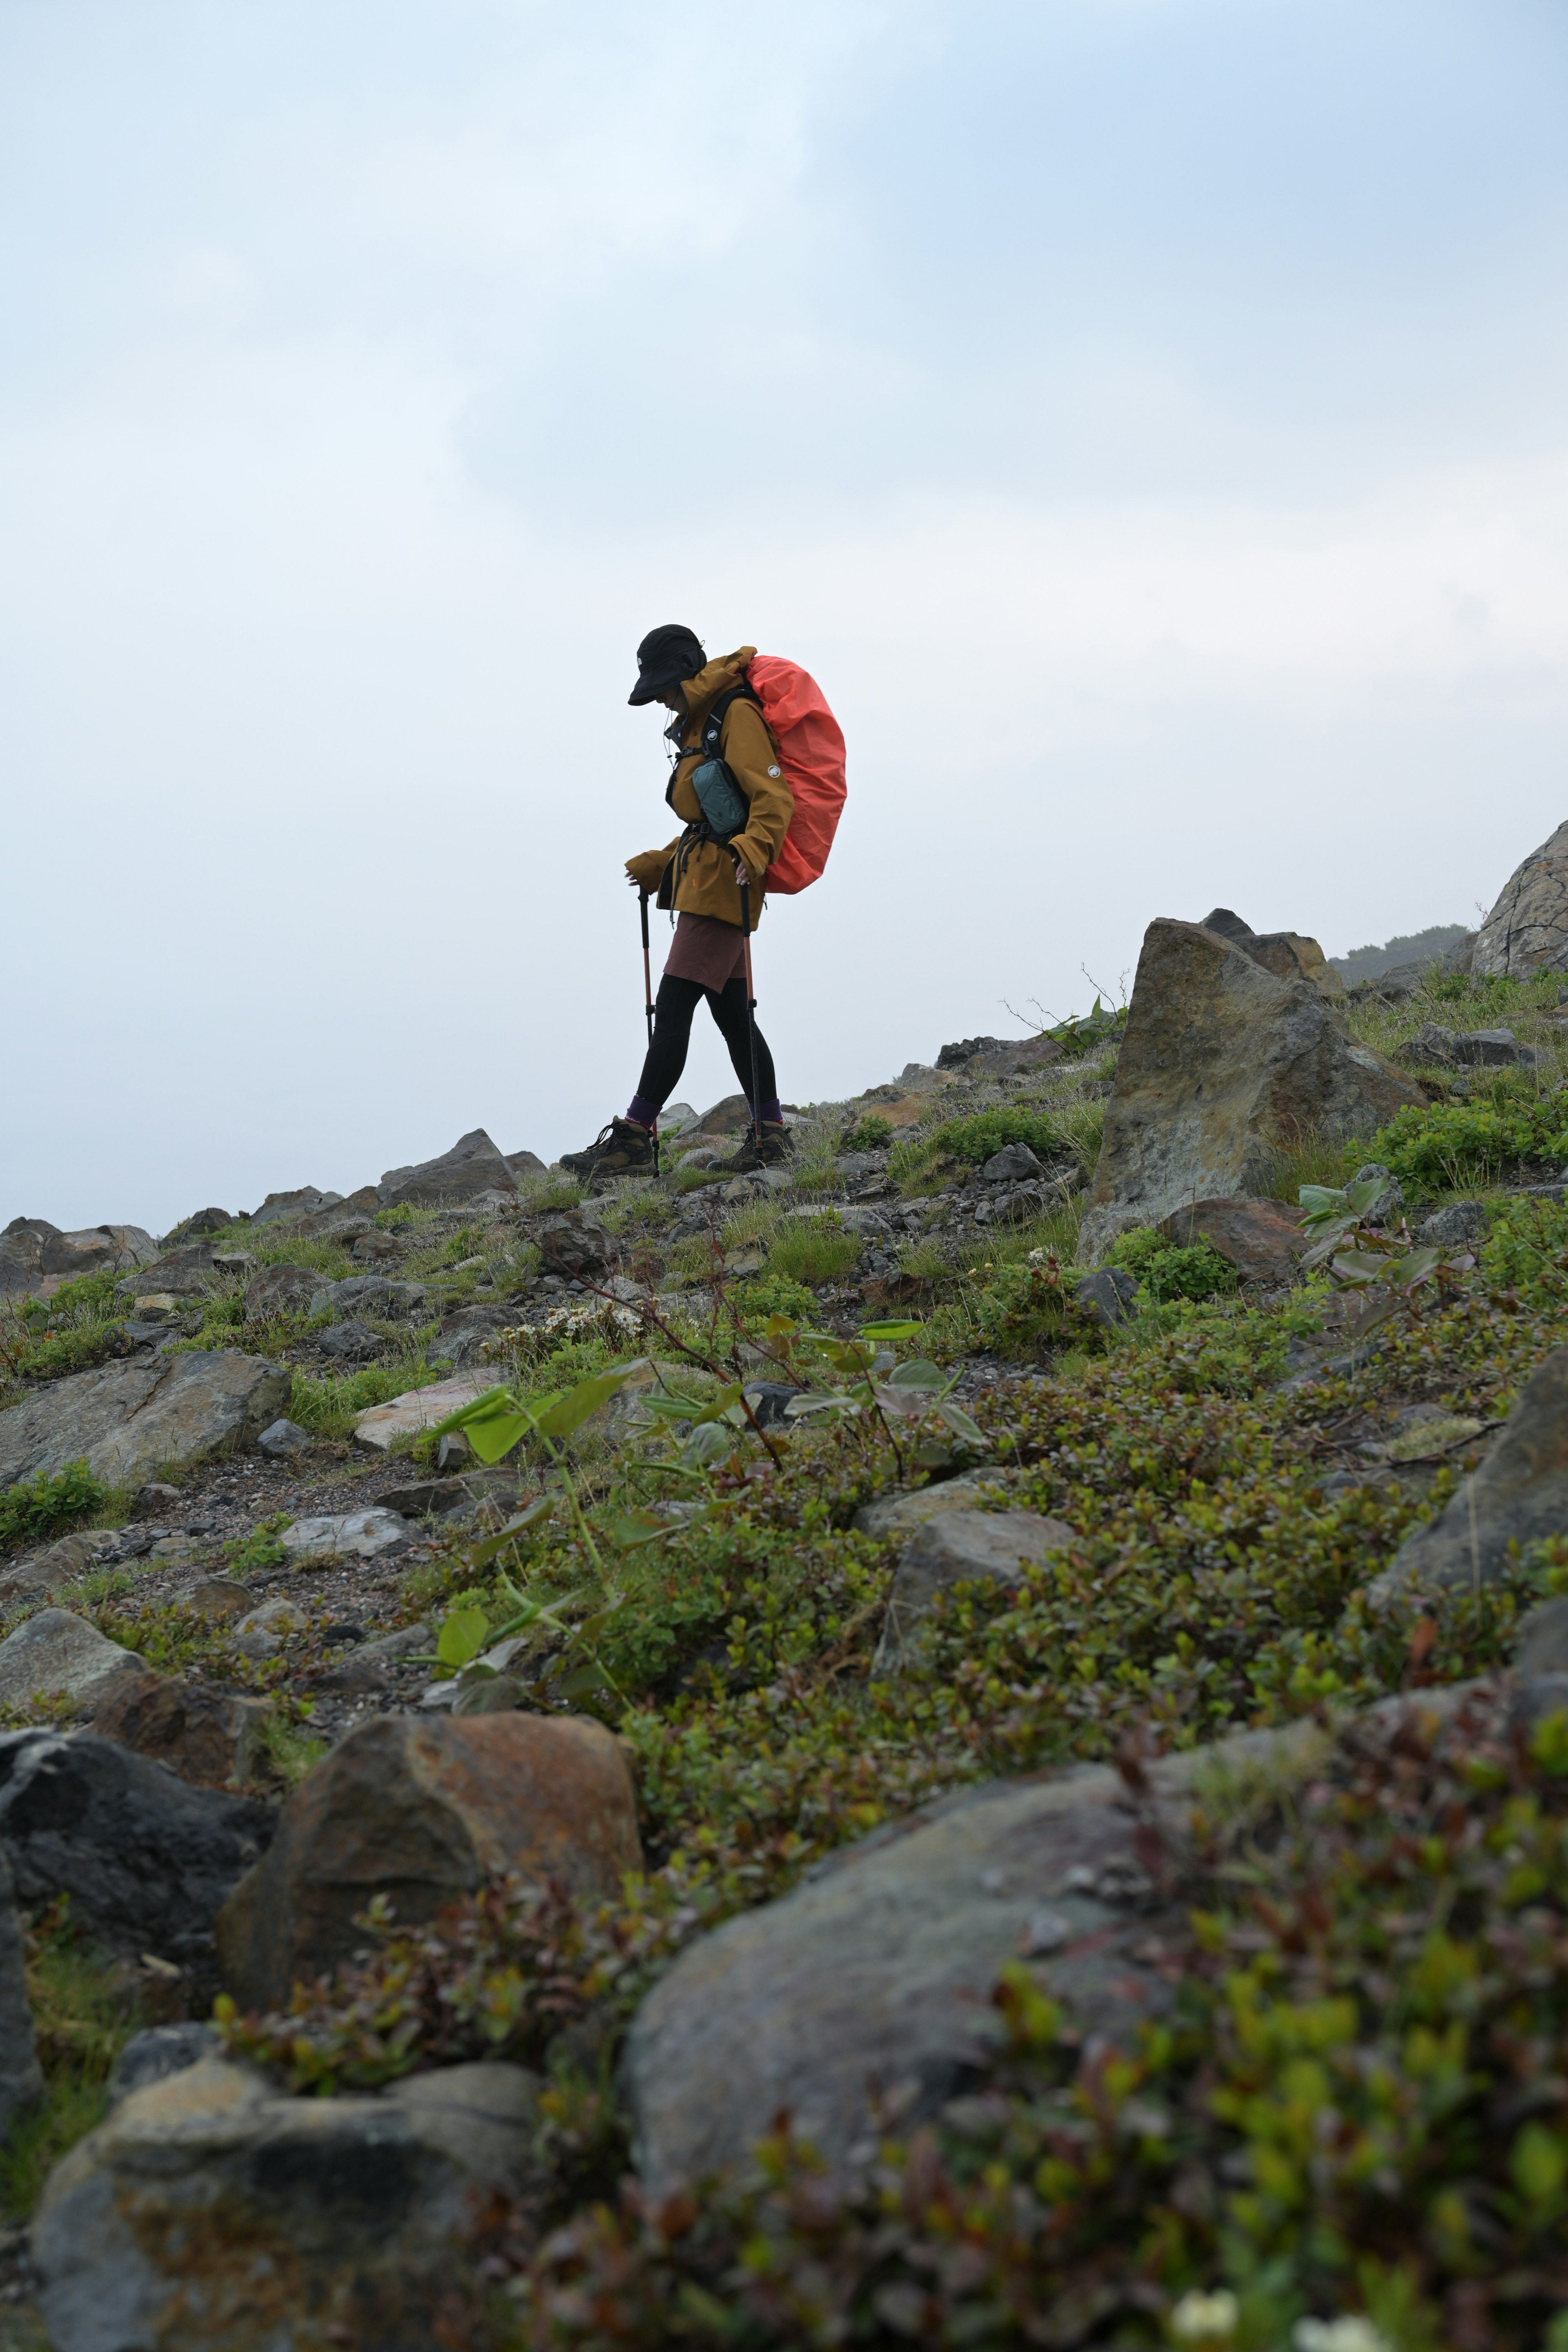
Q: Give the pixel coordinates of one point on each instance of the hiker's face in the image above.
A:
(672, 697)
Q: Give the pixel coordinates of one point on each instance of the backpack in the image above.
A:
(810, 753)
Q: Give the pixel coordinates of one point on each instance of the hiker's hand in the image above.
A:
(741, 877)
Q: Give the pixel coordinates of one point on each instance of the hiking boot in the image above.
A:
(622, 1148)
(775, 1145)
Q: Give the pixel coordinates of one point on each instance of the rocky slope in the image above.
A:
(984, 1763)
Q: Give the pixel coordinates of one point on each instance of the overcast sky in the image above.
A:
(1144, 418)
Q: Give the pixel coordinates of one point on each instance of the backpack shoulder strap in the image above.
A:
(713, 725)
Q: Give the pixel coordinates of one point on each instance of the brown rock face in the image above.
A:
(1526, 931)
(1223, 1066)
(209, 1736)
(1261, 1239)
(421, 1811)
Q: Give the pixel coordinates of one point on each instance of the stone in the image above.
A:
(290, 1208)
(262, 1631)
(145, 1858)
(998, 1057)
(875, 1974)
(1394, 986)
(1527, 930)
(158, 2052)
(98, 1249)
(1013, 1164)
(769, 1401)
(374, 1248)
(1520, 1493)
(1388, 1200)
(1461, 1224)
(22, 1255)
(280, 1290)
(900, 1514)
(346, 1534)
(1110, 1293)
(188, 1272)
(1543, 1641)
(367, 1293)
(1262, 1239)
(453, 1451)
(218, 1599)
(1288, 955)
(209, 1734)
(21, 2077)
(128, 1418)
(529, 1163)
(57, 1655)
(415, 1410)
(65, 1561)
(1461, 955)
(281, 1438)
(956, 1548)
(1435, 1048)
(1223, 1067)
(157, 1499)
(203, 1221)
(211, 2209)
(420, 1811)
(472, 1166)
(573, 1246)
(350, 1343)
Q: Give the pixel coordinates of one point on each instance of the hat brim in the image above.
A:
(648, 689)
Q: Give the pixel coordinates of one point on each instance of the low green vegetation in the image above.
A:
(329, 1408)
(47, 1504)
(1167, 1270)
(84, 2010)
(869, 1134)
(1452, 1146)
(813, 1251)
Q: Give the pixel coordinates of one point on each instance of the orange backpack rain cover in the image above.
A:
(811, 751)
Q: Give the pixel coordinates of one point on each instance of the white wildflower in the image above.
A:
(1205, 2318)
(1352, 2334)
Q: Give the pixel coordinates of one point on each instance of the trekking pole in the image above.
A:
(750, 1010)
(648, 990)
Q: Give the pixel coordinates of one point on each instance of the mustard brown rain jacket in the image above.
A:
(706, 883)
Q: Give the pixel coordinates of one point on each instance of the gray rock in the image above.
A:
(1013, 1164)
(876, 1973)
(187, 1272)
(1543, 1641)
(1288, 955)
(279, 1290)
(203, 1221)
(769, 1401)
(98, 1249)
(281, 1438)
(21, 2077)
(1110, 1293)
(313, 2220)
(900, 1514)
(956, 1548)
(1435, 1048)
(290, 1208)
(1461, 955)
(125, 1419)
(1222, 1066)
(473, 1166)
(356, 1535)
(526, 1164)
(1457, 1226)
(1394, 986)
(158, 2052)
(1519, 1493)
(367, 1293)
(145, 1858)
(1388, 1200)
(1526, 931)
(22, 1255)
(574, 1245)
(350, 1342)
(57, 1655)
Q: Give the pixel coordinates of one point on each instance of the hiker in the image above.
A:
(700, 876)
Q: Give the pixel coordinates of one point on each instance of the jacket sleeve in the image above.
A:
(646, 869)
(752, 759)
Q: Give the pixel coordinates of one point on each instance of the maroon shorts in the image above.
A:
(707, 950)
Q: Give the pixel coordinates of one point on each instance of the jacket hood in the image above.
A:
(715, 679)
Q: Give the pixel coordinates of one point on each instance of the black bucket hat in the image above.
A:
(667, 656)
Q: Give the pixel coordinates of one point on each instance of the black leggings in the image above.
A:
(672, 1010)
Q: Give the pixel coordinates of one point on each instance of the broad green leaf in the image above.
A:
(569, 1413)
(722, 1407)
(1360, 1197)
(496, 1400)
(959, 1421)
(921, 1374)
(822, 1400)
(582, 1680)
(462, 1636)
(886, 1331)
(1416, 1265)
(1362, 1266)
(497, 1435)
(481, 1554)
(592, 1627)
(912, 1404)
(668, 1404)
(641, 1528)
(710, 1442)
(1322, 1199)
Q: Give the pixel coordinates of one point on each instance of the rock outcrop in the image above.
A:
(1262, 1239)
(1526, 931)
(418, 1810)
(958, 1547)
(212, 2209)
(1223, 1066)
(1288, 955)
(57, 1655)
(472, 1167)
(126, 1419)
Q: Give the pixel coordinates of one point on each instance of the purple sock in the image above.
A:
(642, 1112)
(773, 1113)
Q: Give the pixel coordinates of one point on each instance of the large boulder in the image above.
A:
(874, 1976)
(473, 1166)
(1526, 931)
(415, 1410)
(186, 1272)
(1519, 1495)
(205, 1732)
(958, 1547)
(1288, 955)
(212, 2209)
(1224, 1067)
(57, 1655)
(98, 1249)
(145, 1859)
(1262, 1239)
(420, 1811)
(126, 1419)
(281, 1290)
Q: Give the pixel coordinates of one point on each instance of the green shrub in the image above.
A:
(44, 1506)
(327, 1408)
(1167, 1270)
(813, 1251)
(1451, 1145)
(869, 1134)
(975, 1139)
(84, 2012)
(1018, 1310)
(772, 1293)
